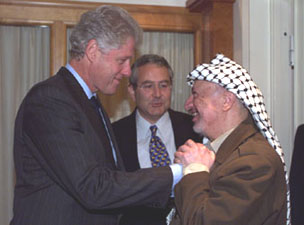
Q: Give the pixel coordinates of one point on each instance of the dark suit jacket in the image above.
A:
(246, 185)
(126, 136)
(64, 174)
(297, 179)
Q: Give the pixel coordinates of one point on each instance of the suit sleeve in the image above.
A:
(59, 135)
(234, 196)
(296, 180)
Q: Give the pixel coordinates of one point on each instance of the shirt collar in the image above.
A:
(215, 144)
(144, 126)
(82, 83)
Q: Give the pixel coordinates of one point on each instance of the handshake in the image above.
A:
(192, 153)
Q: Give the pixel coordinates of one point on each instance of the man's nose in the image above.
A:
(156, 91)
(126, 71)
(189, 104)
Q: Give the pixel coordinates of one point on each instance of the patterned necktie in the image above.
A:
(158, 153)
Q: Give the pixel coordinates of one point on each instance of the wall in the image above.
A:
(261, 43)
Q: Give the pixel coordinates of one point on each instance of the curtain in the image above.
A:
(24, 60)
(177, 48)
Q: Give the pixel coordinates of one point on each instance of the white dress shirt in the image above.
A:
(164, 131)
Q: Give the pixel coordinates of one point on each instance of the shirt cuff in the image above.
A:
(177, 171)
(194, 168)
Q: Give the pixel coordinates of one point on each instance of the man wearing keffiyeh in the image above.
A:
(242, 180)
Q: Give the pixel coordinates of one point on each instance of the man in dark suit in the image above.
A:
(150, 87)
(242, 179)
(68, 167)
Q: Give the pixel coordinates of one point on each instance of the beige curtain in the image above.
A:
(24, 60)
(177, 48)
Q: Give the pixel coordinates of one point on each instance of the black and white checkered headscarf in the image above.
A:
(235, 78)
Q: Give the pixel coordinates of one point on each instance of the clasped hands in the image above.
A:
(192, 152)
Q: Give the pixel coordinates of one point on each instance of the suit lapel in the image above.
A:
(177, 126)
(112, 136)
(245, 130)
(81, 98)
(132, 157)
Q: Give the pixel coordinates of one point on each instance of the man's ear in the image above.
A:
(229, 100)
(91, 50)
(131, 92)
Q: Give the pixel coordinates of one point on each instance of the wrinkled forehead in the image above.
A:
(153, 72)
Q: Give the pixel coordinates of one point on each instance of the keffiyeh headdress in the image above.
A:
(236, 79)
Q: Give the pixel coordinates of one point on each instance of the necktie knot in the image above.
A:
(94, 102)
(153, 129)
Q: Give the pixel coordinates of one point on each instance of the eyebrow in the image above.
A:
(150, 81)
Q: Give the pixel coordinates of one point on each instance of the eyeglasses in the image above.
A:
(149, 85)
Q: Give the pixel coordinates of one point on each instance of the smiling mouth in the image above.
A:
(194, 114)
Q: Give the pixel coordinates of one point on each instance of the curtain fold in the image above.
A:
(24, 60)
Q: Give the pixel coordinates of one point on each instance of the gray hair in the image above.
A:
(109, 25)
(148, 59)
